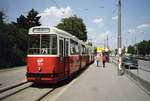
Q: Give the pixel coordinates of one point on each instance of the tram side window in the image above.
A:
(74, 47)
(61, 48)
(83, 50)
(53, 44)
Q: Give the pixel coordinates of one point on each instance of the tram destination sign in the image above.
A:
(41, 30)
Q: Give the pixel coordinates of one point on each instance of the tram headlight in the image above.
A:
(39, 69)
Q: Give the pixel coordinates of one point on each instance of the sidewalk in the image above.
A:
(103, 84)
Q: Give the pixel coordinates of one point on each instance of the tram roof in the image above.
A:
(50, 30)
(53, 30)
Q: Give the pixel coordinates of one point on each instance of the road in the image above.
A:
(144, 64)
(9, 77)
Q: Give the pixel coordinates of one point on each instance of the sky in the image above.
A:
(99, 16)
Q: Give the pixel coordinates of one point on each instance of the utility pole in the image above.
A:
(107, 42)
(119, 38)
(104, 43)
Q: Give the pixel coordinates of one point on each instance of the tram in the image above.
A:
(55, 55)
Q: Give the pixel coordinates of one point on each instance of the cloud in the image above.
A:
(99, 22)
(143, 26)
(131, 31)
(90, 29)
(100, 37)
(140, 28)
(115, 17)
(52, 16)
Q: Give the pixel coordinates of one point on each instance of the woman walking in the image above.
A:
(97, 60)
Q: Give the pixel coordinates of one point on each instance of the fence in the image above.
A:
(141, 75)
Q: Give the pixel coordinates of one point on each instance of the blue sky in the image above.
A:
(100, 17)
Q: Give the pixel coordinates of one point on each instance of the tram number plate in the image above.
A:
(38, 78)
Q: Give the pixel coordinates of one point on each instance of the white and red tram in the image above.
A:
(54, 55)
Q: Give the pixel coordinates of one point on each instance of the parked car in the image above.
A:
(147, 58)
(129, 62)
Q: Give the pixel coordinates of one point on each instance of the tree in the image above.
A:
(116, 51)
(148, 47)
(13, 45)
(123, 50)
(143, 47)
(1, 17)
(90, 44)
(95, 50)
(13, 39)
(30, 21)
(22, 22)
(131, 49)
(74, 26)
(33, 19)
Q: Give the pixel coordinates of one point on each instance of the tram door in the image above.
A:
(63, 54)
(66, 58)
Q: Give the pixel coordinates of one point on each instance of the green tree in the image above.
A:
(13, 45)
(33, 19)
(131, 49)
(95, 50)
(143, 47)
(148, 47)
(90, 44)
(116, 51)
(30, 21)
(22, 22)
(1, 17)
(74, 26)
(13, 39)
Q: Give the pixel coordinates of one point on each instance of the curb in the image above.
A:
(12, 86)
(10, 69)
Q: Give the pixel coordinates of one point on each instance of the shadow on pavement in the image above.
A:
(61, 83)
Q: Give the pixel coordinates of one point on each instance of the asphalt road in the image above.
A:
(11, 76)
(144, 64)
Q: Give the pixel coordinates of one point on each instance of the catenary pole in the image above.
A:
(119, 38)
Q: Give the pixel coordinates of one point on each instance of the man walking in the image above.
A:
(103, 59)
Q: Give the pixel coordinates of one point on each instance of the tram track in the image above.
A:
(13, 89)
(12, 86)
(44, 95)
(33, 91)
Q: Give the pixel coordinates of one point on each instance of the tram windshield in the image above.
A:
(43, 44)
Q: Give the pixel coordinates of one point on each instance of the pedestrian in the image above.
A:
(97, 60)
(103, 59)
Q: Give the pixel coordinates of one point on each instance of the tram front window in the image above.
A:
(43, 44)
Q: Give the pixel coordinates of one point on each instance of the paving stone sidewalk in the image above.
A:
(103, 84)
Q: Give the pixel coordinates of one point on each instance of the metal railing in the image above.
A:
(139, 75)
